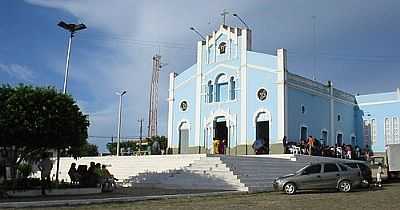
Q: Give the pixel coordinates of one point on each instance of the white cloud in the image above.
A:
(17, 71)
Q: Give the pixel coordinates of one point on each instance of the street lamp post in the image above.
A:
(241, 20)
(72, 28)
(119, 119)
(198, 33)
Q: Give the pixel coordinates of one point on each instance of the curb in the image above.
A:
(35, 204)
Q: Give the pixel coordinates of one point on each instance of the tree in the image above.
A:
(86, 150)
(36, 119)
(125, 145)
(162, 140)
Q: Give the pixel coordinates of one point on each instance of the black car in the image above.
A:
(366, 173)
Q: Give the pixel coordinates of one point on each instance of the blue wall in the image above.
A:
(315, 118)
(379, 112)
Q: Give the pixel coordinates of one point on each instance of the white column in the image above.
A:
(171, 109)
(282, 120)
(197, 121)
(243, 89)
(332, 114)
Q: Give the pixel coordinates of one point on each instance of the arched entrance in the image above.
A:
(262, 129)
(221, 133)
(183, 147)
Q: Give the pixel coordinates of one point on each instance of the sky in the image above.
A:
(354, 43)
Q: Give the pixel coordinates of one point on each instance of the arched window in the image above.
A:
(233, 86)
(221, 86)
(210, 92)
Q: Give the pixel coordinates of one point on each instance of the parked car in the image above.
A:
(327, 175)
(366, 173)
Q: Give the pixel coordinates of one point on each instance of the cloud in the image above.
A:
(17, 71)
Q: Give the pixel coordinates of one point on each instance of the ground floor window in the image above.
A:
(339, 139)
(324, 137)
(353, 141)
(303, 133)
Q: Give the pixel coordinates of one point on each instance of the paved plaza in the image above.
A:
(361, 199)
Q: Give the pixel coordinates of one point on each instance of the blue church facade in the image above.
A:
(239, 95)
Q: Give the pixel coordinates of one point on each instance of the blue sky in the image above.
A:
(355, 44)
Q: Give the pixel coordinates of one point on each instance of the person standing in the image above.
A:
(379, 176)
(45, 166)
(285, 145)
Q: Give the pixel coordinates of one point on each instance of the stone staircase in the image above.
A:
(258, 173)
(206, 173)
(241, 173)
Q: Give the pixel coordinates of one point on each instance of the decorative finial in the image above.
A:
(224, 14)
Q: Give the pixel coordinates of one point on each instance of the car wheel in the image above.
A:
(344, 186)
(290, 188)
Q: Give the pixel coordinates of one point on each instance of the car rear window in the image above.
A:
(313, 169)
(342, 167)
(330, 167)
(352, 165)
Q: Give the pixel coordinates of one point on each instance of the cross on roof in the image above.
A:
(224, 14)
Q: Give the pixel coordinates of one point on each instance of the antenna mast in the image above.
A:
(153, 109)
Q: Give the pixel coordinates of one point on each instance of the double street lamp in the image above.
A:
(119, 118)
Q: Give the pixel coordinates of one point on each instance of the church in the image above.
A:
(238, 95)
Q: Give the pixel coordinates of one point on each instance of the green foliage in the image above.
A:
(134, 145)
(162, 140)
(86, 150)
(36, 119)
(124, 145)
(25, 169)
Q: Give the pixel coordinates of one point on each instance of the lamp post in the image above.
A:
(72, 28)
(241, 20)
(119, 119)
(198, 33)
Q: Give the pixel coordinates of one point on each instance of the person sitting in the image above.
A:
(108, 180)
(260, 147)
(91, 175)
(98, 174)
(73, 174)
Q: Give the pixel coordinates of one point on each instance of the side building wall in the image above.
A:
(321, 111)
(381, 119)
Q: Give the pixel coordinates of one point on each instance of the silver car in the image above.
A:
(327, 175)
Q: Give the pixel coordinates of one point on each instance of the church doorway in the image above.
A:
(262, 133)
(183, 147)
(220, 136)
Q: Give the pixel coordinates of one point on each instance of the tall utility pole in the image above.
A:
(141, 134)
(314, 47)
(119, 119)
(153, 108)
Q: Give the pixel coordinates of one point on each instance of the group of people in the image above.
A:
(312, 146)
(95, 175)
(219, 146)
